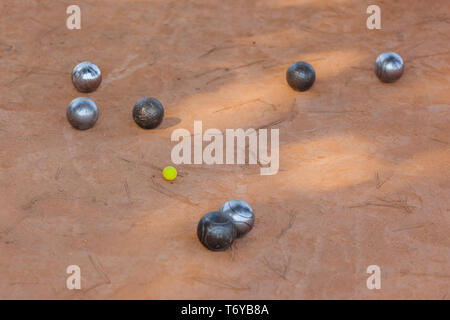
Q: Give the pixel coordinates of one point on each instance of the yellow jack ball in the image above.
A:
(169, 173)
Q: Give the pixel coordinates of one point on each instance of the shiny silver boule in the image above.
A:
(389, 67)
(82, 113)
(86, 77)
(241, 214)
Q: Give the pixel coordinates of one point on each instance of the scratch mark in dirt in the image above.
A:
(220, 283)
(159, 188)
(215, 49)
(245, 103)
(281, 273)
(378, 182)
(123, 72)
(227, 75)
(292, 218)
(396, 204)
(247, 64)
(127, 191)
(428, 55)
(98, 267)
(438, 140)
(409, 228)
(210, 71)
(58, 173)
(335, 111)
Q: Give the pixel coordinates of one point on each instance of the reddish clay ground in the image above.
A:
(364, 166)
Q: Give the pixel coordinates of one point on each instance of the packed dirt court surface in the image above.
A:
(364, 173)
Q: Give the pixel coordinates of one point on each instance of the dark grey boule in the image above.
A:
(216, 232)
(300, 76)
(148, 113)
